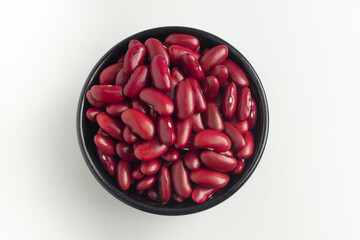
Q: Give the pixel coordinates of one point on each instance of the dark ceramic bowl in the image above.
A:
(86, 129)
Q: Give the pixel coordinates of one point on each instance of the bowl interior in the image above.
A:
(87, 130)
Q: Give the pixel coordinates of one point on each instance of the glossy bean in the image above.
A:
(153, 115)
(253, 115)
(211, 88)
(218, 161)
(116, 109)
(123, 174)
(237, 139)
(171, 92)
(110, 125)
(171, 155)
(138, 80)
(161, 103)
(229, 101)
(165, 130)
(153, 194)
(125, 151)
(106, 144)
(213, 139)
(107, 161)
(134, 57)
(136, 103)
(107, 93)
(180, 179)
(200, 102)
(160, 73)
(221, 73)
(150, 150)
(228, 153)
(236, 73)
(215, 56)
(164, 181)
(212, 117)
(133, 42)
(242, 126)
(91, 114)
(203, 52)
(146, 183)
(150, 167)
(176, 52)
(244, 104)
(177, 73)
(184, 100)
(121, 78)
(177, 198)
(136, 174)
(100, 131)
(140, 123)
(191, 160)
(239, 166)
(248, 149)
(182, 132)
(200, 194)
(209, 178)
(197, 123)
(92, 101)
(129, 135)
(184, 40)
(155, 47)
(108, 75)
(192, 67)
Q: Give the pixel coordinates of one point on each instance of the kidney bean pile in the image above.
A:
(173, 123)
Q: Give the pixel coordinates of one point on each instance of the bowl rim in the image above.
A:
(158, 209)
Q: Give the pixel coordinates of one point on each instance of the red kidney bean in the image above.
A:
(164, 184)
(107, 94)
(133, 42)
(221, 73)
(218, 161)
(135, 144)
(150, 150)
(140, 123)
(134, 57)
(107, 76)
(180, 179)
(228, 153)
(138, 80)
(105, 144)
(197, 122)
(146, 183)
(160, 73)
(171, 92)
(213, 139)
(176, 51)
(184, 100)
(110, 125)
(100, 131)
(200, 102)
(121, 59)
(209, 178)
(165, 130)
(182, 132)
(136, 174)
(177, 197)
(244, 104)
(242, 126)
(92, 101)
(211, 88)
(153, 194)
(204, 52)
(125, 151)
(153, 115)
(121, 78)
(191, 160)
(239, 167)
(248, 149)
(161, 103)
(229, 101)
(192, 67)
(116, 109)
(236, 73)
(237, 140)
(129, 135)
(200, 194)
(150, 167)
(184, 40)
(212, 117)
(253, 115)
(123, 173)
(215, 56)
(107, 161)
(155, 47)
(171, 155)
(139, 105)
(177, 73)
(91, 114)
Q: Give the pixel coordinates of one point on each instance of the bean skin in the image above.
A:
(92, 101)
(150, 167)
(155, 47)
(248, 149)
(140, 123)
(125, 151)
(184, 100)
(200, 194)
(107, 161)
(91, 114)
(123, 174)
(177, 198)
(177, 73)
(209, 178)
(164, 181)
(239, 167)
(116, 109)
(129, 135)
(136, 103)
(197, 123)
(153, 194)
(229, 101)
(213, 57)
(133, 42)
(171, 155)
(161, 103)
(213, 139)
(136, 174)
(121, 78)
(211, 88)
(191, 160)
(146, 183)
(165, 130)
(105, 144)
(221, 73)
(108, 75)
(212, 117)
(160, 73)
(107, 94)
(182, 133)
(134, 57)
(171, 92)
(200, 102)
(218, 161)
(253, 115)
(176, 52)
(236, 73)
(192, 67)
(110, 125)
(244, 104)
(184, 40)
(138, 80)
(150, 150)
(237, 140)
(180, 179)
(242, 126)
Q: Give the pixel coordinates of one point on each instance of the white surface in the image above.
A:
(307, 56)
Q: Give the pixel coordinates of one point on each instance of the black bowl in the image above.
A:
(86, 129)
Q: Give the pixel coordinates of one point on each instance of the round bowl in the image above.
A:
(86, 129)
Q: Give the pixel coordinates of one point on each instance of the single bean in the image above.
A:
(191, 160)
(177, 197)
(150, 167)
(192, 67)
(161, 103)
(244, 104)
(203, 52)
(182, 132)
(164, 184)
(155, 47)
(136, 103)
(107, 93)
(221, 73)
(248, 149)
(253, 115)
(171, 92)
(184, 100)
(165, 130)
(110, 125)
(92, 101)
(213, 139)
(107, 161)
(160, 73)
(91, 114)
(171, 155)
(146, 183)
(212, 117)
(242, 126)
(197, 123)
(121, 78)
(100, 131)
(215, 56)
(134, 57)
(133, 42)
(106, 144)
(218, 161)
(125, 151)
(236, 73)
(108, 75)
(200, 102)
(138, 80)
(129, 135)
(176, 52)
(140, 123)
(180, 179)
(211, 88)
(200, 194)
(177, 73)
(150, 150)
(153, 194)
(123, 172)
(237, 139)
(116, 109)
(136, 174)
(209, 178)
(229, 101)
(239, 167)
(184, 40)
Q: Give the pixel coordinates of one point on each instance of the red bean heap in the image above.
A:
(178, 127)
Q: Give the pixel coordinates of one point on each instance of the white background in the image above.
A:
(307, 54)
